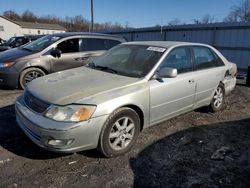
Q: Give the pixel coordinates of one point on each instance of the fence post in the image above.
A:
(248, 76)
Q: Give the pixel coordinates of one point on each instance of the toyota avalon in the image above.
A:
(106, 104)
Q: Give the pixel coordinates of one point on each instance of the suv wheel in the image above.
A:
(218, 99)
(119, 133)
(28, 75)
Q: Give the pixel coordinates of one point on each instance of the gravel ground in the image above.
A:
(175, 153)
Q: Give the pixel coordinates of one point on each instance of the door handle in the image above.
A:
(191, 81)
(82, 58)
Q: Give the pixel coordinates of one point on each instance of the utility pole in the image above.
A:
(92, 17)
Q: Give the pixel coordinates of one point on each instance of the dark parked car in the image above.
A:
(14, 42)
(52, 53)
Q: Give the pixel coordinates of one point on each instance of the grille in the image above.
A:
(34, 103)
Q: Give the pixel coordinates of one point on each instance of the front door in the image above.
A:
(71, 56)
(173, 96)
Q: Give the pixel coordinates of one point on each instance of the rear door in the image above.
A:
(173, 96)
(208, 74)
(92, 47)
(70, 56)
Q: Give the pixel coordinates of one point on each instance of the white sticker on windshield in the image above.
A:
(156, 49)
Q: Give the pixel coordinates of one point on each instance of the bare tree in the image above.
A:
(11, 14)
(29, 16)
(240, 13)
(206, 19)
(174, 22)
(76, 23)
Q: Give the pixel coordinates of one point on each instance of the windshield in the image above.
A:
(41, 43)
(128, 60)
(10, 41)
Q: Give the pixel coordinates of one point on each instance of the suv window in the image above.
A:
(19, 42)
(179, 58)
(113, 43)
(69, 46)
(204, 58)
(94, 44)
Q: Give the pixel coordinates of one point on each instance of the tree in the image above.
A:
(29, 16)
(76, 23)
(240, 13)
(11, 14)
(174, 22)
(206, 19)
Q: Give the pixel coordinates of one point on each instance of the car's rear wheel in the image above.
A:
(28, 75)
(218, 99)
(119, 133)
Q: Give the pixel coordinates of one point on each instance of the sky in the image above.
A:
(134, 13)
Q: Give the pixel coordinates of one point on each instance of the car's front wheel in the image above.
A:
(119, 133)
(28, 75)
(218, 99)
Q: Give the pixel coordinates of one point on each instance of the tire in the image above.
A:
(119, 132)
(218, 99)
(28, 75)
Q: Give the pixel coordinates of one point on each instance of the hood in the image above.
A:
(13, 54)
(3, 48)
(72, 85)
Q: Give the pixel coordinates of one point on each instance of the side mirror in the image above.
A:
(167, 72)
(56, 53)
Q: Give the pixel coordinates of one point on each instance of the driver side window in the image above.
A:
(69, 46)
(180, 59)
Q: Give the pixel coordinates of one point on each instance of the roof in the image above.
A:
(164, 44)
(35, 25)
(68, 34)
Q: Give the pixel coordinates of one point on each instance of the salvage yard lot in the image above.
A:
(174, 153)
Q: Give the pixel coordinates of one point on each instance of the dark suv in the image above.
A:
(14, 42)
(50, 54)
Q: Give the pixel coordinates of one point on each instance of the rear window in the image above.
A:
(204, 58)
(95, 44)
(113, 43)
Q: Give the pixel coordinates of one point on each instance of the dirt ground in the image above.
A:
(176, 153)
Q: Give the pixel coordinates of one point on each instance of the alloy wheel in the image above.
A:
(218, 97)
(32, 75)
(122, 133)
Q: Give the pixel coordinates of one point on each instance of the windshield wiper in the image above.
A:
(102, 68)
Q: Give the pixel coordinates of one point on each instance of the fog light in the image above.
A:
(60, 143)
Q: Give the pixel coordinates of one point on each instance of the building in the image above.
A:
(10, 28)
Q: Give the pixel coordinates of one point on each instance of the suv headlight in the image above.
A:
(70, 113)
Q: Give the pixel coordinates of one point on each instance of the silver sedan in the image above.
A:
(107, 103)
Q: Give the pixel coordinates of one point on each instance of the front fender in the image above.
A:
(137, 95)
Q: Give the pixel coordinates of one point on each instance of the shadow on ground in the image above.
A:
(183, 159)
(8, 88)
(14, 140)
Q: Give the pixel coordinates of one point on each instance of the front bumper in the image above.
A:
(41, 130)
(9, 77)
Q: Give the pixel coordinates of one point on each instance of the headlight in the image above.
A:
(70, 113)
(6, 64)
